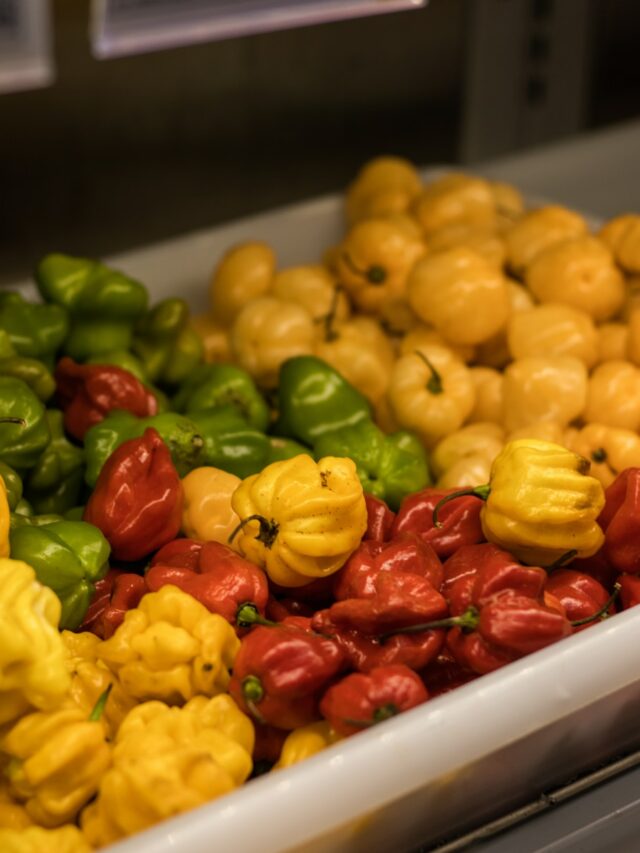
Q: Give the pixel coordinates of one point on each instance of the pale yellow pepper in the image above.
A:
(580, 272)
(207, 513)
(385, 185)
(488, 397)
(171, 648)
(609, 449)
(509, 204)
(613, 339)
(4, 520)
(13, 814)
(465, 298)
(375, 259)
(315, 289)
(633, 337)
(244, 273)
(553, 329)
(32, 655)
(466, 472)
(214, 337)
(551, 431)
(622, 236)
(431, 392)
(266, 332)
(552, 388)
(306, 741)
(397, 318)
(455, 199)
(538, 230)
(484, 240)
(483, 439)
(613, 396)
(35, 839)
(423, 334)
(301, 519)
(495, 352)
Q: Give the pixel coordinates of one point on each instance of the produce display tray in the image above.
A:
(459, 760)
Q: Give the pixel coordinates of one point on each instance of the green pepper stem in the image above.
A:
(374, 275)
(481, 492)
(434, 384)
(268, 530)
(98, 708)
(468, 621)
(247, 615)
(384, 712)
(252, 693)
(602, 613)
(562, 560)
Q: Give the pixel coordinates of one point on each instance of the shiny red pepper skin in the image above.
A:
(407, 553)
(359, 701)
(620, 520)
(460, 520)
(88, 392)
(379, 519)
(444, 674)
(629, 590)
(281, 608)
(115, 594)
(137, 500)
(214, 574)
(280, 672)
(268, 743)
(579, 594)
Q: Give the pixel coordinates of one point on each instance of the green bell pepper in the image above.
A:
(124, 359)
(67, 556)
(181, 435)
(55, 482)
(34, 372)
(284, 448)
(230, 443)
(21, 519)
(389, 466)
(76, 513)
(35, 330)
(165, 342)
(13, 485)
(103, 304)
(212, 386)
(314, 399)
(21, 443)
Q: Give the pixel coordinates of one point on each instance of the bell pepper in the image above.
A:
(301, 519)
(88, 392)
(612, 396)
(180, 434)
(21, 443)
(56, 761)
(543, 388)
(212, 386)
(622, 235)
(244, 273)
(629, 590)
(360, 700)
(34, 839)
(459, 520)
(314, 399)
(31, 371)
(609, 449)
(68, 557)
(379, 519)
(12, 485)
(230, 443)
(54, 483)
(553, 329)
(280, 672)
(166, 343)
(137, 500)
(220, 579)
(384, 185)
(35, 330)
(580, 594)
(114, 595)
(103, 304)
(620, 520)
(389, 467)
(192, 755)
(32, 655)
(455, 199)
(207, 513)
(538, 230)
(26, 518)
(170, 647)
(283, 448)
(306, 741)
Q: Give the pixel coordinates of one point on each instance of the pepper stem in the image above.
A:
(481, 492)
(562, 560)
(384, 712)
(247, 615)
(468, 621)
(328, 319)
(374, 275)
(602, 613)
(98, 708)
(434, 384)
(252, 693)
(268, 530)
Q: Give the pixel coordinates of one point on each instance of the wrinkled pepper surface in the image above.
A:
(166, 343)
(620, 520)
(230, 443)
(21, 443)
(214, 386)
(35, 330)
(115, 594)
(55, 482)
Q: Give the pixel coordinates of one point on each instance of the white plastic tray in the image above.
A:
(439, 769)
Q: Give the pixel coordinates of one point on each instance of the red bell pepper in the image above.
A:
(620, 520)
(359, 701)
(279, 674)
(137, 500)
(629, 590)
(379, 519)
(458, 520)
(114, 595)
(579, 594)
(88, 392)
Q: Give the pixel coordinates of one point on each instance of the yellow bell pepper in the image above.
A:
(455, 199)
(484, 439)
(306, 741)
(483, 240)
(56, 761)
(214, 337)
(495, 352)
(243, 274)
(552, 388)
(466, 472)
(315, 289)
(613, 339)
(13, 815)
(35, 839)
(553, 329)
(375, 259)
(422, 334)
(609, 449)
(459, 293)
(488, 395)
(32, 655)
(622, 236)
(431, 392)
(385, 185)
(266, 332)
(207, 513)
(301, 519)
(613, 396)
(539, 230)
(167, 761)
(580, 272)
(172, 648)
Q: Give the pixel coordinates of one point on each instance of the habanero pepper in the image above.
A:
(115, 594)
(444, 674)
(580, 594)
(620, 520)
(379, 519)
(629, 590)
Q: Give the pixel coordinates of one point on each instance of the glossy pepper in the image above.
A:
(612, 395)
(21, 443)
(88, 392)
(306, 741)
(54, 483)
(301, 519)
(212, 386)
(115, 594)
(581, 595)
(360, 701)
(35, 330)
(629, 590)
(31, 371)
(455, 199)
(280, 672)
(553, 329)
(34, 839)
(103, 304)
(314, 399)
(32, 655)
(69, 557)
(170, 647)
(609, 449)
(620, 520)
(207, 513)
(543, 388)
(137, 500)
(13, 815)
(12, 484)
(180, 434)
(383, 186)
(230, 443)
(379, 519)
(168, 346)
(622, 235)
(283, 448)
(244, 273)
(4, 521)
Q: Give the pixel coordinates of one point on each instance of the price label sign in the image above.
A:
(122, 27)
(25, 45)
